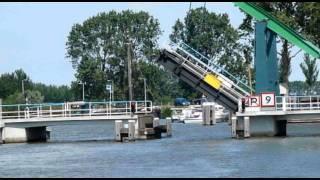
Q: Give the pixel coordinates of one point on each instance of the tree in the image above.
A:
(285, 64)
(310, 71)
(33, 97)
(308, 18)
(98, 48)
(11, 89)
(162, 87)
(12, 82)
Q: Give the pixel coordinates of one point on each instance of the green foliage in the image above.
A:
(12, 82)
(301, 88)
(161, 87)
(310, 71)
(11, 90)
(98, 49)
(166, 112)
(54, 93)
(30, 97)
(285, 63)
(307, 17)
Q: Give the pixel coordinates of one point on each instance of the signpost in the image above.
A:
(267, 99)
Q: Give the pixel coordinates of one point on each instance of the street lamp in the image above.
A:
(109, 88)
(112, 88)
(82, 89)
(145, 91)
(23, 93)
(129, 70)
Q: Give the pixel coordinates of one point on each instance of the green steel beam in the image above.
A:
(281, 29)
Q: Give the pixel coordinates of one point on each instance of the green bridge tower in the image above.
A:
(267, 28)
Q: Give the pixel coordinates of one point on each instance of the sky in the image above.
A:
(33, 35)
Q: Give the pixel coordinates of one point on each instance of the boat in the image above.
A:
(193, 114)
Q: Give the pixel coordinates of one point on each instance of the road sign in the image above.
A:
(108, 87)
(268, 99)
(254, 101)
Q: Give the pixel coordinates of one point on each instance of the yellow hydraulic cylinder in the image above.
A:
(212, 80)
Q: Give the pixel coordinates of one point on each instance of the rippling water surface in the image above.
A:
(193, 151)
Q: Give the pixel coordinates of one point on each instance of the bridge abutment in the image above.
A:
(253, 126)
(20, 135)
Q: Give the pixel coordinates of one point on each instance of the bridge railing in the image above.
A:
(297, 103)
(210, 64)
(74, 109)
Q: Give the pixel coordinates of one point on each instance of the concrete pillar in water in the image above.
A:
(246, 123)
(240, 127)
(206, 114)
(1, 123)
(117, 128)
(1, 135)
(131, 124)
(169, 126)
(230, 118)
(280, 127)
(233, 126)
(156, 122)
(1, 113)
(212, 115)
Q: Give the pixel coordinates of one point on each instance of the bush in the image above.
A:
(166, 112)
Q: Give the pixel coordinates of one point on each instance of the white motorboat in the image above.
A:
(193, 114)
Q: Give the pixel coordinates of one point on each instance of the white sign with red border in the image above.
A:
(254, 101)
(267, 99)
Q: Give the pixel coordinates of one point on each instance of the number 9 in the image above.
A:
(268, 99)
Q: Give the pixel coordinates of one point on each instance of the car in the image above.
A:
(181, 102)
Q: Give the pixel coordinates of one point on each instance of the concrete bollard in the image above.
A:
(156, 122)
(131, 124)
(246, 123)
(169, 126)
(117, 127)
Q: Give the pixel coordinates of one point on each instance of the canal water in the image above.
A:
(193, 151)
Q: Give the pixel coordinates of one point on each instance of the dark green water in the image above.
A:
(193, 151)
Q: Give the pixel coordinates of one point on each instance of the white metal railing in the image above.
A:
(193, 61)
(198, 57)
(74, 109)
(297, 103)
